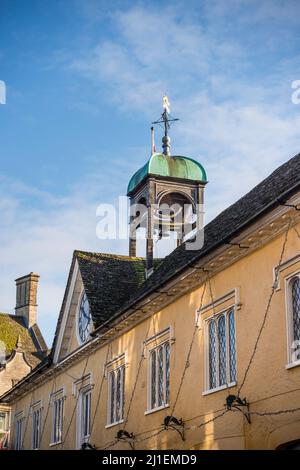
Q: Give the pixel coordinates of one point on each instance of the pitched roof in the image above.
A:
(13, 329)
(114, 283)
(109, 281)
(276, 188)
(268, 194)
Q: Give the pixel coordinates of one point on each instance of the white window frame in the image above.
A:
(19, 430)
(86, 404)
(165, 404)
(113, 372)
(83, 437)
(36, 427)
(6, 419)
(117, 363)
(289, 320)
(57, 400)
(151, 343)
(81, 387)
(215, 317)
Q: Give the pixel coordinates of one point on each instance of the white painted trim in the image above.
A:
(52, 444)
(279, 268)
(112, 363)
(293, 364)
(233, 294)
(111, 367)
(35, 406)
(19, 423)
(60, 393)
(65, 313)
(6, 413)
(81, 387)
(216, 315)
(114, 424)
(82, 348)
(218, 389)
(37, 409)
(163, 340)
(157, 335)
(159, 408)
(80, 439)
(83, 382)
(158, 339)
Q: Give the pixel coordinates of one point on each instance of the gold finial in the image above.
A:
(166, 119)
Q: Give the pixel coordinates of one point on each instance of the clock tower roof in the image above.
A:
(168, 166)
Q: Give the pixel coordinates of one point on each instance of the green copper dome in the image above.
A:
(174, 167)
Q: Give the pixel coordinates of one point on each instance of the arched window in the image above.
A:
(175, 213)
(221, 350)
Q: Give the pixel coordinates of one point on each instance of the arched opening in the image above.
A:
(138, 226)
(175, 214)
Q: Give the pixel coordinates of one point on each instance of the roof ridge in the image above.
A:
(266, 194)
(86, 254)
(242, 198)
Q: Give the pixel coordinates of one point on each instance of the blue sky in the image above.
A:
(85, 78)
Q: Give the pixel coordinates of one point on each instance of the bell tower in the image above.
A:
(166, 194)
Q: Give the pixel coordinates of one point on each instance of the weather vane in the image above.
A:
(166, 119)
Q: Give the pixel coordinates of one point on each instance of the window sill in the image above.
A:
(291, 365)
(52, 444)
(218, 389)
(159, 408)
(114, 424)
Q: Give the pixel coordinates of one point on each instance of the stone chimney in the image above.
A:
(26, 298)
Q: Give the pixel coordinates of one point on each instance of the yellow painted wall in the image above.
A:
(269, 385)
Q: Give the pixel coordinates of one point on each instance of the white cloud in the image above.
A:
(40, 235)
(238, 123)
(236, 118)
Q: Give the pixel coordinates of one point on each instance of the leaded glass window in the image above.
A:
(58, 405)
(232, 349)
(160, 376)
(116, 394)
(167, 350)
(112, 397)
(153, 379)
(36, 428)
(2, 422)
(295, 284)
(221, 350)
(85, 414)
(212, 354)
(19, 434)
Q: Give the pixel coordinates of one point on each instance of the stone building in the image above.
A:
(22, 346)
(199, 350)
